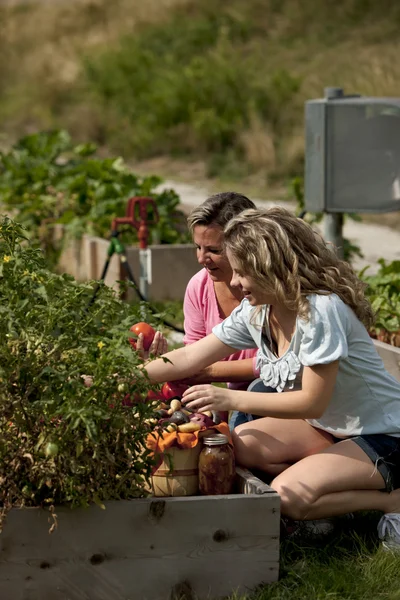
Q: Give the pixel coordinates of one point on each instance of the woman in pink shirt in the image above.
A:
(209, 297)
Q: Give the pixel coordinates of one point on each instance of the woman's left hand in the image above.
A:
(200, 398)
(158, 346)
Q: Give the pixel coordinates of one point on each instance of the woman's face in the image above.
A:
(208, 240)
(249, 287)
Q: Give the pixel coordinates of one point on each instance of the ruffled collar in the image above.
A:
(279, 373)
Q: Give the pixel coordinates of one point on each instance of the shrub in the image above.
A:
(62, 442)
(190, 86)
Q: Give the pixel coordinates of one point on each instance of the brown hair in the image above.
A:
(219, 209)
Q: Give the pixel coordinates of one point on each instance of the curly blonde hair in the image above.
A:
(289, 259)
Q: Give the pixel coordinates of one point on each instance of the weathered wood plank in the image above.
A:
(142, 549)
(247, 483)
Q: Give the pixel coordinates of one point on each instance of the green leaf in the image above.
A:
(40, 441)
(85, 149)
(99, 503)
(78, 449)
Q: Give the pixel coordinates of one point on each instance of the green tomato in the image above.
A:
(51, 449)
(27, 491)
(122, 387)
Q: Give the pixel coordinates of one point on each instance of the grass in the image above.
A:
(348, 564)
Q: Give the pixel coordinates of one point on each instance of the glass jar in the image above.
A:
(216, 466)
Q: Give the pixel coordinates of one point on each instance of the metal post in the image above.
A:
(333, 225)
(145, 271)
(333, 222)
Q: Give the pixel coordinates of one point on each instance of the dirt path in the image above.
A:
(375, 241)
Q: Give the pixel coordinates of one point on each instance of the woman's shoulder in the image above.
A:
(324, 335)
(325, 303)
(199, 282)
(253, 316)
(325, 311)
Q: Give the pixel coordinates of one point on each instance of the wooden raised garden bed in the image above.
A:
(182, 548)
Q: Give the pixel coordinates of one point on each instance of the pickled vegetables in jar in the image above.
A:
(216, 466)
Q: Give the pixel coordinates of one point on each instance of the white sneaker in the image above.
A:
(389, 531)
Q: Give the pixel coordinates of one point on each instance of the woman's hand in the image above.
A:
(158, 346)
(200, 398)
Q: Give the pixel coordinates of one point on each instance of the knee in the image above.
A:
(295, 502)
(242, 445)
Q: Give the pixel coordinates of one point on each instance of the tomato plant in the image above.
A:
(63, 441)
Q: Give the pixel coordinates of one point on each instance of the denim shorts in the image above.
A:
(384, 452)
(238, 418)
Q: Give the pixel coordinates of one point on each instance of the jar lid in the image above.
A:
(216, 439)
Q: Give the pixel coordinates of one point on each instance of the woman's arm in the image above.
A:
(308, 403)
(187, 361)
(229, 370)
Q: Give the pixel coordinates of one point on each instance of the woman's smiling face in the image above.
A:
(249, 287)
(208, 240)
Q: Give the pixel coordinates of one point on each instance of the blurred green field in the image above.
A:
(198, 80)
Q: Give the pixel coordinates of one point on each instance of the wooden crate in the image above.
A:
(145, 549)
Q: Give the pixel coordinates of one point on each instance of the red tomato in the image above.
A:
(152, 396)
(173, 389)
(148, 334)
(127, 400)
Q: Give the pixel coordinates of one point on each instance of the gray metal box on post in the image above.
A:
(352, 161)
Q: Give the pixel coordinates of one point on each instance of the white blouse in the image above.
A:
(366, 398)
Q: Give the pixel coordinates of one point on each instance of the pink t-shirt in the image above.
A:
(201, 312)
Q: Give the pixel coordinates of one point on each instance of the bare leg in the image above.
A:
(273, 445)
(337, 480)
